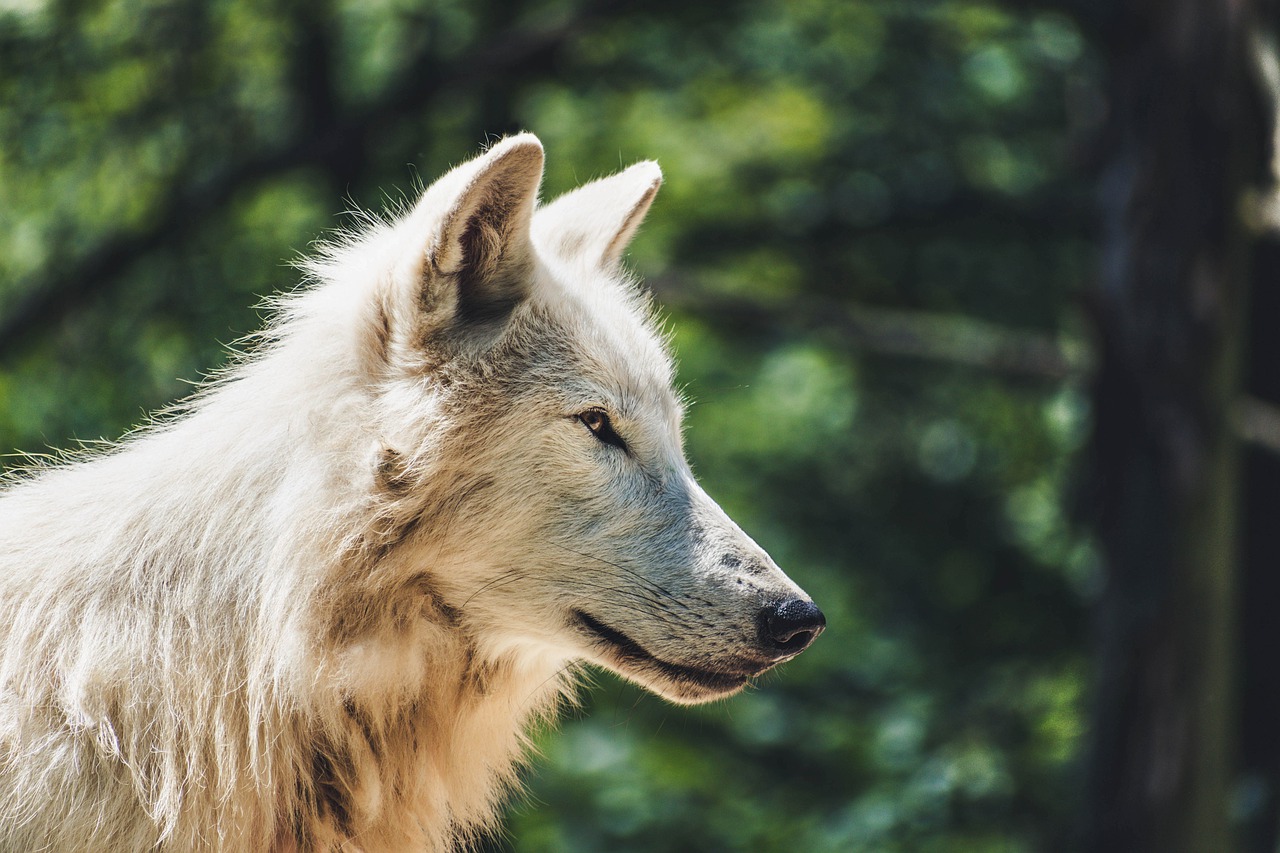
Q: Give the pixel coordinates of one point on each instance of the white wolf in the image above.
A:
(319, 607)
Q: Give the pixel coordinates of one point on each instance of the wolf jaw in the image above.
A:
(677, 682)
(321, 605)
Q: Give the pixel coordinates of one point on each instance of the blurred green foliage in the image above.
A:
(161, 161)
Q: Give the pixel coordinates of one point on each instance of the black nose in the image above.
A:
(789, 626)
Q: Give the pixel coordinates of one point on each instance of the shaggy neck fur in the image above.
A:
(253, 677)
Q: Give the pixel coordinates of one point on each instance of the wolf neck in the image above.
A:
(410, 734)
(424, 771)
(357, 708)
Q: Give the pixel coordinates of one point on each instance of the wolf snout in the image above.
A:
(787, 627)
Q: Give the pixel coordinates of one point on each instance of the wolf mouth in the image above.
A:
(631, 652)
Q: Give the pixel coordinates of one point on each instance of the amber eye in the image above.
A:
(597, 420)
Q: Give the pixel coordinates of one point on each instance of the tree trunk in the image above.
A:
(1259, 674)
(1184, 141)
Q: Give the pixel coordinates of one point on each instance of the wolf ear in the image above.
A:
(596, 221)
(471, 256)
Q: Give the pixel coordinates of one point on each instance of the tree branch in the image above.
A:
(187, 208)
(931, 336)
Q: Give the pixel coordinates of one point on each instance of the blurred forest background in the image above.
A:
(974, 299)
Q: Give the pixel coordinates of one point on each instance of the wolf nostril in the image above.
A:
(791, 625)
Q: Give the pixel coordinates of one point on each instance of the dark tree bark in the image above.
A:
(1186, 139)
(1259, 681)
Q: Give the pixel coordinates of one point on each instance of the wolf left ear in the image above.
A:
(470, 256)
(596, 221)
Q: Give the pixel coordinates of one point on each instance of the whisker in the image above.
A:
(632, 572)
(612, 591)
(503, 579)
(652, 603)
(567, 669)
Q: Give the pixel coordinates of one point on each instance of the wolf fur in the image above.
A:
(319, 606)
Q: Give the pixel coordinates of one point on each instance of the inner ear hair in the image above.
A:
(496, 263)
(486, 235)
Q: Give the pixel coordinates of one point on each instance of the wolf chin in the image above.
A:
(319, 606)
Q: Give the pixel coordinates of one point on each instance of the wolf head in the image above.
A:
(528, 439)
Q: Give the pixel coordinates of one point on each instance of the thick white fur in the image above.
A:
(319, 607)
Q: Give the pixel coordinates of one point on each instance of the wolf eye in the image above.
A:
(597, 420)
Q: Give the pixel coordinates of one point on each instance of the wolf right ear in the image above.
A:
(469, 255)
(596, 221)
